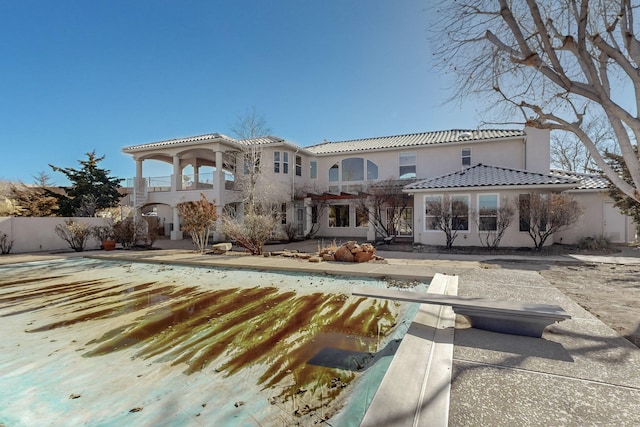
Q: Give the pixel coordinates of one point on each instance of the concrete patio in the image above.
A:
(579, 373)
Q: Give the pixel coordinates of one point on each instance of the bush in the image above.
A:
(594, 242)
(5, 244)
(199, 218)
(75, 233)
(252, 232)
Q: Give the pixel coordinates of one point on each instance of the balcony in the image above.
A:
(158, 189)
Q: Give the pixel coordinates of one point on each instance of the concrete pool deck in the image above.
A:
(579, 373)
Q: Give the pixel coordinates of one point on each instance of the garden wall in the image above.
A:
(30, 234)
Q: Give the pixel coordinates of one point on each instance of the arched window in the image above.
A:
(333, 173)
(372, 170)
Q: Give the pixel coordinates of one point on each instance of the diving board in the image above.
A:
(509, 317)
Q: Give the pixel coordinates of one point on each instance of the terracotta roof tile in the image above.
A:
(490, 176)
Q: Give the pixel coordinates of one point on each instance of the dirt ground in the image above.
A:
(608, 291)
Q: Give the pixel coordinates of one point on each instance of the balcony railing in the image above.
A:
(205, 181)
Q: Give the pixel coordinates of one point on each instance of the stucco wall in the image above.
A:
(38, 234)
(431, 160)
(593, 221)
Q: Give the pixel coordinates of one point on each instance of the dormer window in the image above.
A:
(466, 157)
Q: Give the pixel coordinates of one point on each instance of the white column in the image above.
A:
(176, 234)
(177, 175)
(218, 194)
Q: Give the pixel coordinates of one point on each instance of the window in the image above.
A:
(362, 216)
(372, 170)
(338, 215)
(488, 212)
(353, 169)
(313, 169)
(457, 210)
(283, 213)
(432, 211)
(251, 163)
(403, 221)
(333, 173)
(460, 213)
(466, 157)
(285, 162)
(407, 165)
(298, 166)
(524, 211)
(314, 214)
(276, 161)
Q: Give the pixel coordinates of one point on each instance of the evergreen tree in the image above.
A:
(92, 189)
(626, 204)
(37, 200)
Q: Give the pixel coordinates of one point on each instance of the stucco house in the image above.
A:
(329, 187)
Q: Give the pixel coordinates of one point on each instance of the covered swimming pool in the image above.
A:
(113, 343)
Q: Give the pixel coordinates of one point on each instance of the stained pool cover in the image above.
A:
(105, 343)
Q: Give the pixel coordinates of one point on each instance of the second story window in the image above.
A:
(313, 169)
(466, 157)
(285, 162)
(353, 169)
(298, 166)
(407, 165)
(276, 161)
(333, 173)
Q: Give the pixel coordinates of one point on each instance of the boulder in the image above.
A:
(363, 256)
(221, 248)
(343, 254)
(352, 252)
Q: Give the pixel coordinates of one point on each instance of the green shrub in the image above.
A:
(594, 242)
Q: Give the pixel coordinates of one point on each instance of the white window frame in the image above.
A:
(497, 196)
(424, 213)
(404, 162)
(276, 162)
(468, 197)
(359, 209)
(285, 162)
(466, 156)
(348, 215)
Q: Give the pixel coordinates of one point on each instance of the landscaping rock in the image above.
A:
(221, 248)
(343, 254)
(352, 252)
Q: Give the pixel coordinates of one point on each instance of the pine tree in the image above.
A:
(626, 204)
(92, 189)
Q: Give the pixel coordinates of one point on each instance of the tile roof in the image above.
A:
(415, 139)
(490, 176)
(179, 141)
(265, 140)
(587, 181)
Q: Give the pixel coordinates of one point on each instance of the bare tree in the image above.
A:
(448, 215)
(387, 205)
(490, 233)
(250, 125)
(545, 214)
(260, 199)
(569, 153)
(555, 62)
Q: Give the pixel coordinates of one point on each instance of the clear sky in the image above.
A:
(78, 76)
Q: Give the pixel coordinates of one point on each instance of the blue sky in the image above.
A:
(83, 75)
